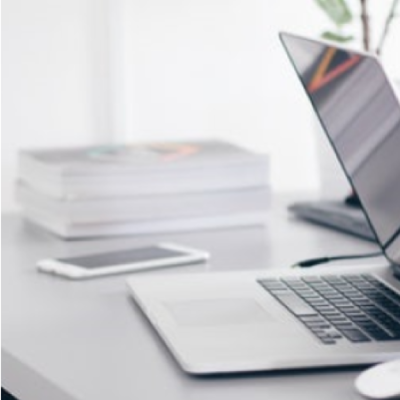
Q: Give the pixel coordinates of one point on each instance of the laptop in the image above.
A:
(268, 320)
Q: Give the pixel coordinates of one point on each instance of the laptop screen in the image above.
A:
(361, 116)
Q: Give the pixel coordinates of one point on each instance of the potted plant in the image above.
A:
(339, 12)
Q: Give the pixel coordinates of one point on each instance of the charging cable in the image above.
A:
(323, 260)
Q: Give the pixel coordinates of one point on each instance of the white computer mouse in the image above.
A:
(381, 381)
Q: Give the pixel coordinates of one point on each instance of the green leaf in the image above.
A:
(337, 10)
(336, 37)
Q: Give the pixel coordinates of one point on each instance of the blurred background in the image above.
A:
(94, 71)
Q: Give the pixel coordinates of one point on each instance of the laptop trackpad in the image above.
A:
(218, 312)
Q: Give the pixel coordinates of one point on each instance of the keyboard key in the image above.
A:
(355, 335)
(334, 334)
(317, 325)
(311, 279)
(311, 318)
(295, 304)
(327, 340)
(343, 325)
(272, 284)
(336, 318)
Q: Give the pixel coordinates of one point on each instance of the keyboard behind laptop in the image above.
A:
(334, 214)
(358, 308)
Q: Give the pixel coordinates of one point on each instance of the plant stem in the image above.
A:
(365, 25)
(385, 31)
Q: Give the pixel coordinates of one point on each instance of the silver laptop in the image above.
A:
(249, 321)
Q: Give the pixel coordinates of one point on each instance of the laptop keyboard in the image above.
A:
(358, 308)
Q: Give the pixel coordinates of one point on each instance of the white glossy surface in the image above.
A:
(89, 341)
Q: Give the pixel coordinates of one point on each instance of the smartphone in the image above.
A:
(101, 264)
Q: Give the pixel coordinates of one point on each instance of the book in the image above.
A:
(140, 169)
(87, 231)
(137, 208)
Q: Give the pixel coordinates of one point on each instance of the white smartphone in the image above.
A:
(157, 256)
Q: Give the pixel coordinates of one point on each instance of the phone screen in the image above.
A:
(122, 257)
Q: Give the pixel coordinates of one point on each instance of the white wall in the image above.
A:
(84, 71)
(54, 75)
(216, 68)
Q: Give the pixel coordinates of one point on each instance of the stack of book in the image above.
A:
(143, 188)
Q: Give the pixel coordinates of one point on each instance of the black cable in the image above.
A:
(321, 260)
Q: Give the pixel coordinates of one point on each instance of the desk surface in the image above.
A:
(65, 340)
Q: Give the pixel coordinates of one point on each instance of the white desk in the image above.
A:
(65, 340)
